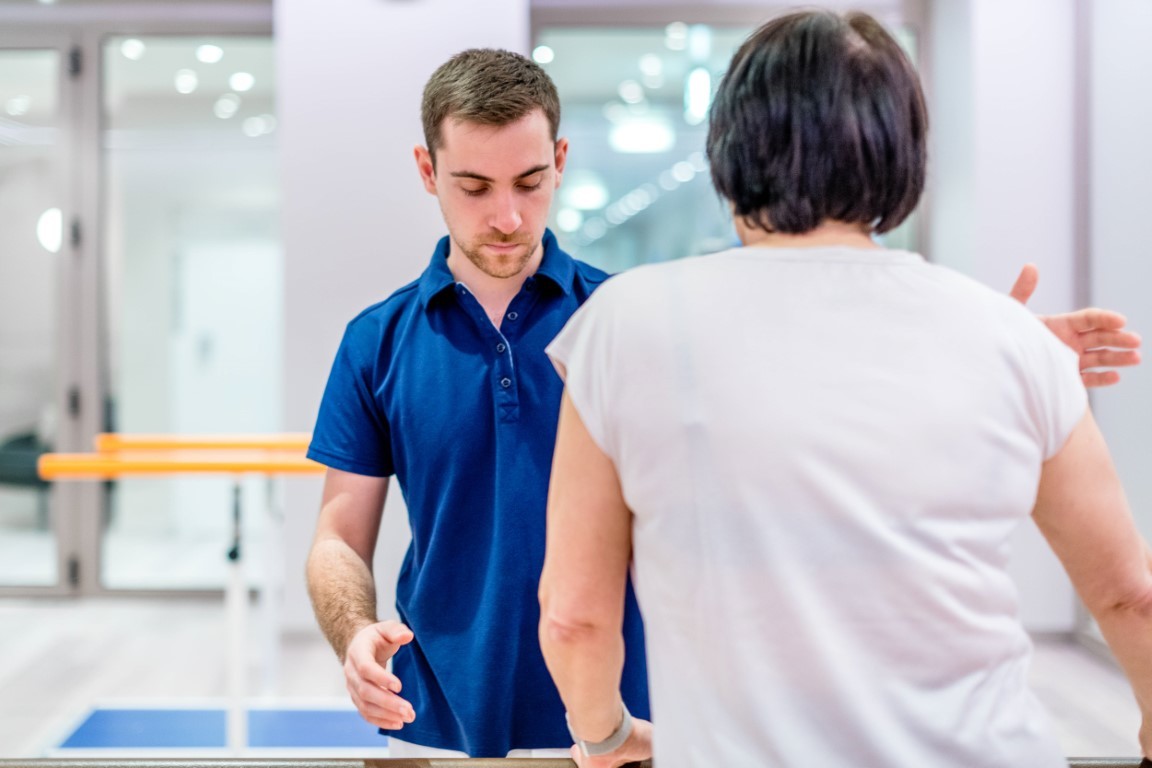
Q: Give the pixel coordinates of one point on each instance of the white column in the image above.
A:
(1121, 195)
(356, 222)
(1002, 175)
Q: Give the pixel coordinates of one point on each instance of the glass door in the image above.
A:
(35, 258)
(192, 283)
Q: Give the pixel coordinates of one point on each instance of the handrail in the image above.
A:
(111, 442)
(104, 466)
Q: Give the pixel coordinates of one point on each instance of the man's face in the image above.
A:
(495, 187)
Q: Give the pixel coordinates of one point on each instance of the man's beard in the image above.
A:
(500, 265)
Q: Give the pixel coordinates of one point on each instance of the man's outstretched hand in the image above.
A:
(375, 691)
(1097, 335)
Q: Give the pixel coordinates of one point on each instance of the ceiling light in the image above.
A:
(584, 191)
(133, 49)
(186, 81)
(260, 125)
(18, 105)
(542, 54)
(642, 134)
(569, 219)
(209, 54)
(699, 42)
(631, 92)
(652, 82)
(651, 65)
(683, 171)
(50, 230)
(614, 112)
(668, 182)
(226, 106)
(676, 36)
(596, 228)
(241, 81)
(697, 96)
(639, 199)
(699, 161)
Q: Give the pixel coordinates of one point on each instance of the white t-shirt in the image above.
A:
(826, 451)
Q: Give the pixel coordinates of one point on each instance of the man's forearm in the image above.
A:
(343, 592)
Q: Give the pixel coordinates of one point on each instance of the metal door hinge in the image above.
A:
(74, 402)
(75, 61)
(74, 233)
(73, 571)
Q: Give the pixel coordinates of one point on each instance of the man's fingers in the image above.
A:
(1099, 378)
(373, 674)
(1025, 284)
(1093, 318)
(394, 632)
(1119, 339)
(1109, 358)
(376, 704)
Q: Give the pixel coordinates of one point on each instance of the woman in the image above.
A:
(815, 451)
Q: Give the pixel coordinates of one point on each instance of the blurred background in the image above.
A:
(196, 196)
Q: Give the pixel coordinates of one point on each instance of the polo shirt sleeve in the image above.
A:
(1058, 397)
(352, 432)
(582, 353)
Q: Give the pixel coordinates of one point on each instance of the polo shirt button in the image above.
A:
(505, 382)
(500, 347)
(513, 315)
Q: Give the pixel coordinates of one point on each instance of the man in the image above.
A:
(445, 384)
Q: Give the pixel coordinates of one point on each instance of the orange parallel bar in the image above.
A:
(111, 442)
(103, 466)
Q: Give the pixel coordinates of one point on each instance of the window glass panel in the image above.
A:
(635, 105)
(30, 250)
(193, 292)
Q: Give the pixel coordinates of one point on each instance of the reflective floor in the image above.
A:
(58, 658)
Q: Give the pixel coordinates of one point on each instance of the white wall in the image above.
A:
(1121, 158)
(356, 223)
(1001, 94)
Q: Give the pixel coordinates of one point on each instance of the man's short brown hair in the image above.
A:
(489, 87)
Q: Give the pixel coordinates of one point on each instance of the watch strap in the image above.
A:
(610, 744)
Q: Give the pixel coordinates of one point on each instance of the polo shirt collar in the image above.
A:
(556, 265)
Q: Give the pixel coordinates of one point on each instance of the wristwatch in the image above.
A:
(614, 740)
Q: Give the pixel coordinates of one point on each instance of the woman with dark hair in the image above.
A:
(814, 451)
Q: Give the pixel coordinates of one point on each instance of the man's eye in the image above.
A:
(474, 192)
(531, 187)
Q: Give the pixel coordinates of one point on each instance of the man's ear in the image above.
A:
(561, 158)
(426, 168)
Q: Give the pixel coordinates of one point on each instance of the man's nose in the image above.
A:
(506, 216)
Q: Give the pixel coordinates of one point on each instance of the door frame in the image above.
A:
(78, 509)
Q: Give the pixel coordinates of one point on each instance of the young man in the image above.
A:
(445, 384)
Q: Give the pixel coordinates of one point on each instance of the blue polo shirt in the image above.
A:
(464, 414)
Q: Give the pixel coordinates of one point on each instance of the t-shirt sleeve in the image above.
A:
(580, 353)
(352, 432)
(1059, 399)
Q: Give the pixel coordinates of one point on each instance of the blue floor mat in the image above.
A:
(205, 728)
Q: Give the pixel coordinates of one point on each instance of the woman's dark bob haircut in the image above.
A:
(820, 117)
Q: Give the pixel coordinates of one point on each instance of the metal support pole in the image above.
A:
(236, 600)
